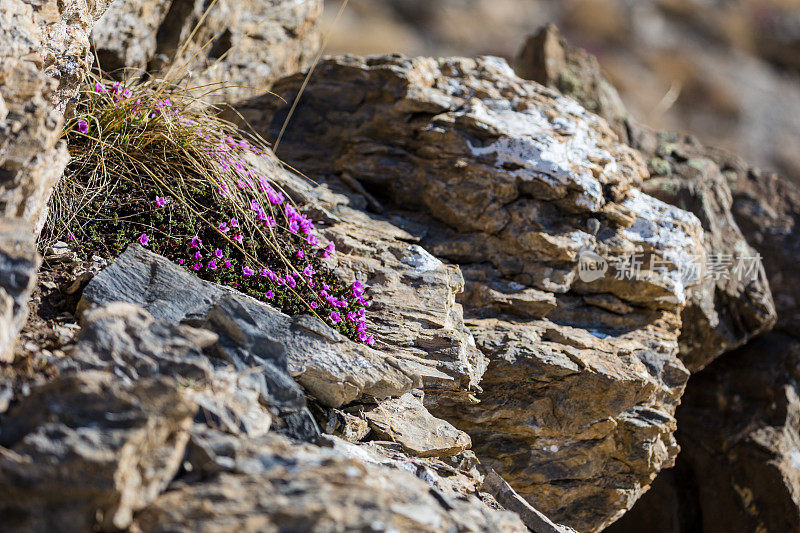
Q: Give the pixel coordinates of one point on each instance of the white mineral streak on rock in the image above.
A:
(533, 143)
(664, 227)
(420, 260)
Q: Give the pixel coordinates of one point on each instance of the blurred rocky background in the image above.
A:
(727, 71)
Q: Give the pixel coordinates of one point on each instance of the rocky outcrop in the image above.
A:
(733, 302)
(740, 417)
(284, 486)
(84, 448)
(333, 369)
(43, 57)
(44, 54)
(230, 49)
(515, 183)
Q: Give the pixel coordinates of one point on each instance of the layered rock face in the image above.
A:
(229, 50)
(737, 421)
(44, 54)
(514, 183)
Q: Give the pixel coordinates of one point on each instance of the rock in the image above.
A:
(249, 45)
(124, 339)
(405, 420)
(547, 58)
(152, 282)
(19, 263)
(503, 176)
(503, 493)
(272, 484)
(740, 418)
(44, 54)
(85, 450)
(739, 431)
(330, 367)
(734, 302)
(767, 208)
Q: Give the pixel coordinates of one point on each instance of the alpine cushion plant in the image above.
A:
(157, 168)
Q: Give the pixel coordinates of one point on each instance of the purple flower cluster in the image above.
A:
(268, 207)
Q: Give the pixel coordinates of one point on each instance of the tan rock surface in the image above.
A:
(514, 182)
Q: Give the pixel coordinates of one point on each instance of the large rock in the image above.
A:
(44, 54)
(406, 421)
(274, 485)
(733, 303)
(333, 369)
(515, 183)
(85, 449)
(739, 431)
(237, 49)
(740, 418)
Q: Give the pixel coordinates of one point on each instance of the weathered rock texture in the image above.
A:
(44, 54)
(19, 262)
(86, 448)
(733, 302)
(245, 45)
(514, 182)
(280, 486)
(333, 369)
(740, 418)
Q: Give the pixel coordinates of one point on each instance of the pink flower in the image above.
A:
(308, 271)
(127, 93)
(198, 255)
(196, 242)
(238, 238)
(223, 190)
(83, 127)
(161, 201)
(370, 340)
(247, 271)
(234, 223)
(212, 265)
(254, 205)
(300, 253)
(115, 87)
(197, 266)
(311, 283)
(329, 250)
(218, 253)
(269, 294)
(335, 317)
(223, 227)
(290, 281)
(144, 239)
(293, 227)
(269, 222)
(312, 240)
(227, 264)
(362, 336)
(263, 272)
(351, 316)
(314, 305)
(272, 275)
(361, 327)
(180, 261)
(100, 88)
(71, 236)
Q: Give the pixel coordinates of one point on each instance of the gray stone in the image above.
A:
(86, 451)
(333, 369)
(19, 262)
(405, 420)
(270, 484)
